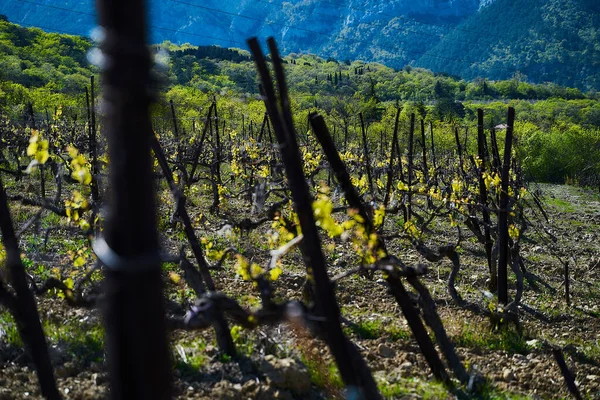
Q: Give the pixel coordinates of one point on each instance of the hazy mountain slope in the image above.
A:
(546, 40)
(395, 32)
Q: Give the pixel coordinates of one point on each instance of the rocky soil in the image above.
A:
(283, 362)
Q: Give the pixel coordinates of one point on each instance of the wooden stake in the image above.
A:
(138, 353)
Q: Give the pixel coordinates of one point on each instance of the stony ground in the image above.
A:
(284, 362)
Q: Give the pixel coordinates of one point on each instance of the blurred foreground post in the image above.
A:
(137, 348)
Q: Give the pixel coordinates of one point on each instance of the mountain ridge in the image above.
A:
(547, 41)
(300, 26)
(462, 37)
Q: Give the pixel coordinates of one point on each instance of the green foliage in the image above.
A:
(546, 40)
(549, 41)
(555, 155)
(50, 70)
(10, 332)
(243, 343)
(505, 339)
(323, 376)
(81, 341)
(192, 356)
(560, 204)
(34, 58)
(414, 386)
(376, 328)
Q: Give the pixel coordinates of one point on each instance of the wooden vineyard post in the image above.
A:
(495, 152)
(217, 162)
(30, 116)
(567, 284)
(503, 213)
(459, 149)
(136, 338)
(262, 129)
(215, 166)
(432, 146)
(353, 369)
(411, 135)
(345, 136)
(381, 144)
(424, 146)
(401, 201)
(366, 154)
(483, 199)
(425, 167)
(92, 142)
(243, 126)
(269, 130)
(390, 177)
(22, 305)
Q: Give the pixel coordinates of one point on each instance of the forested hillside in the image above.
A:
(48, 67)
(50, 70)
(395, 32)
(546, 41)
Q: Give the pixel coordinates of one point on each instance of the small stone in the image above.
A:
(101, 378)
(385, 351)
(250, 387)
(286, 374)
(210, 350)
(395, 375)
(508, 375)
(406, 365)
(67, 370)
(592, 378)
(225, 390)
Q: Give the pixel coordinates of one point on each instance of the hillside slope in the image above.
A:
(546, 40)
(394, 32)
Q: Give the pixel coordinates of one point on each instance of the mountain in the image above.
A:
(394, 32)
(544, 40)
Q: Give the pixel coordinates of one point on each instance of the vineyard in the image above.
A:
(264, 248)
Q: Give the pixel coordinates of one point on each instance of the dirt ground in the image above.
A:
(283, 362)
